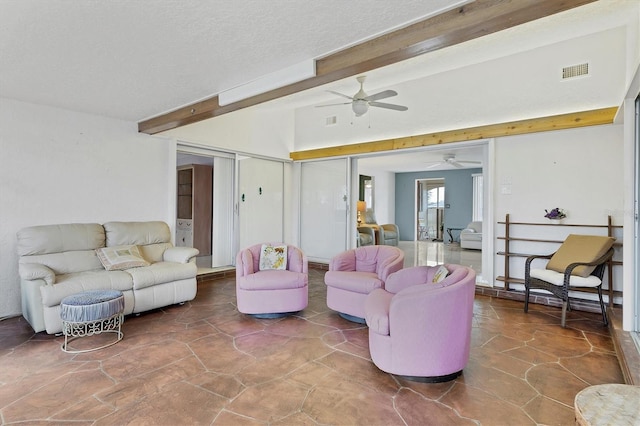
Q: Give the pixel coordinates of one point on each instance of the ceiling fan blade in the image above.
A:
(340, 94)
(455, 164)
(388, 106)
(469, 162)
(341, 103)
(382, 95)
(439, 163)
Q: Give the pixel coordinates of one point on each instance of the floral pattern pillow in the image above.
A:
(273, 257)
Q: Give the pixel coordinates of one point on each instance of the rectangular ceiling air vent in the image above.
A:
(575, 71)
(330, 121)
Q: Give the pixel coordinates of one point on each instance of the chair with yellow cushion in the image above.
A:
(578, 263)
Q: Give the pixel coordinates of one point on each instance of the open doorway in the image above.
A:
(204, 205)
(429, 209)
(195, 205)
(397, 173)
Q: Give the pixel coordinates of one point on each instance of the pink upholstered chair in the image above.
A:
(271, 293)
(353, 274)
(420, 329)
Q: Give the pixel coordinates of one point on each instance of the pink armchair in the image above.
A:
(420, 329)
(353, 274)
(271, 293)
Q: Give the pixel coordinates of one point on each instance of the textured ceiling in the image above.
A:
(132, 60)
(135, 59)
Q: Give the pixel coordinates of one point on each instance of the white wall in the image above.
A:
(579, 170)
(58, 166)
(384, 190)
(257, 130)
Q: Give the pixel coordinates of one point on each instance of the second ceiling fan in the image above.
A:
(450, 160)
(360, 102)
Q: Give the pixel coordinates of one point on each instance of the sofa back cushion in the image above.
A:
(136, 233)
(46, 239)
(64, 248)
(152, 238)
(475, 227)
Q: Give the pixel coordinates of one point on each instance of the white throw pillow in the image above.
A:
(117, 258)
(273, 257)
(440, 274)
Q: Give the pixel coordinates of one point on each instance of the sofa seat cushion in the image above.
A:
(272, 280)
(557, 278)
(160, 273)
(358, 282)
(471, 236)
(69, 284)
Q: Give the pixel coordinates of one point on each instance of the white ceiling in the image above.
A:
(132, 60)
(136, 59)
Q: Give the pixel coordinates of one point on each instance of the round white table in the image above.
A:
(609, 404)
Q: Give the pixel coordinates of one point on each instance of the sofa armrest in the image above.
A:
(36, 271)
(180, 254)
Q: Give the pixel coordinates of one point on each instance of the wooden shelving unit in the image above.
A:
(194, 205)
(581, 229)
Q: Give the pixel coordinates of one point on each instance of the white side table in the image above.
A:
(609, 404)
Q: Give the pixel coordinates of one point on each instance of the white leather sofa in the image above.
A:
(56, 261)
(471, 236)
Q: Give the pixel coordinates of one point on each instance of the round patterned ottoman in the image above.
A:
(89, 313)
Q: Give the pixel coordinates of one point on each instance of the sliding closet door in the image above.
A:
(324, 208)
(260, 203)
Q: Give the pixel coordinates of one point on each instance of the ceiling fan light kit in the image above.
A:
(360, 102)
(359, 107)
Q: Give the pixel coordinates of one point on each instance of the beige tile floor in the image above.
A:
(204, 363)
(418, 253)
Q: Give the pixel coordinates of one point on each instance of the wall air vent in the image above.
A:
(330, 121)
(575, 71)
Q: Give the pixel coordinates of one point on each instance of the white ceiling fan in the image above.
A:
(450, 160)
(360, 102)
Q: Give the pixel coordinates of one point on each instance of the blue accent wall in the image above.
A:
(458, 195)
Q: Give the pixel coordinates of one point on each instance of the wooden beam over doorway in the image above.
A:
(534, 125)
(465, 23)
